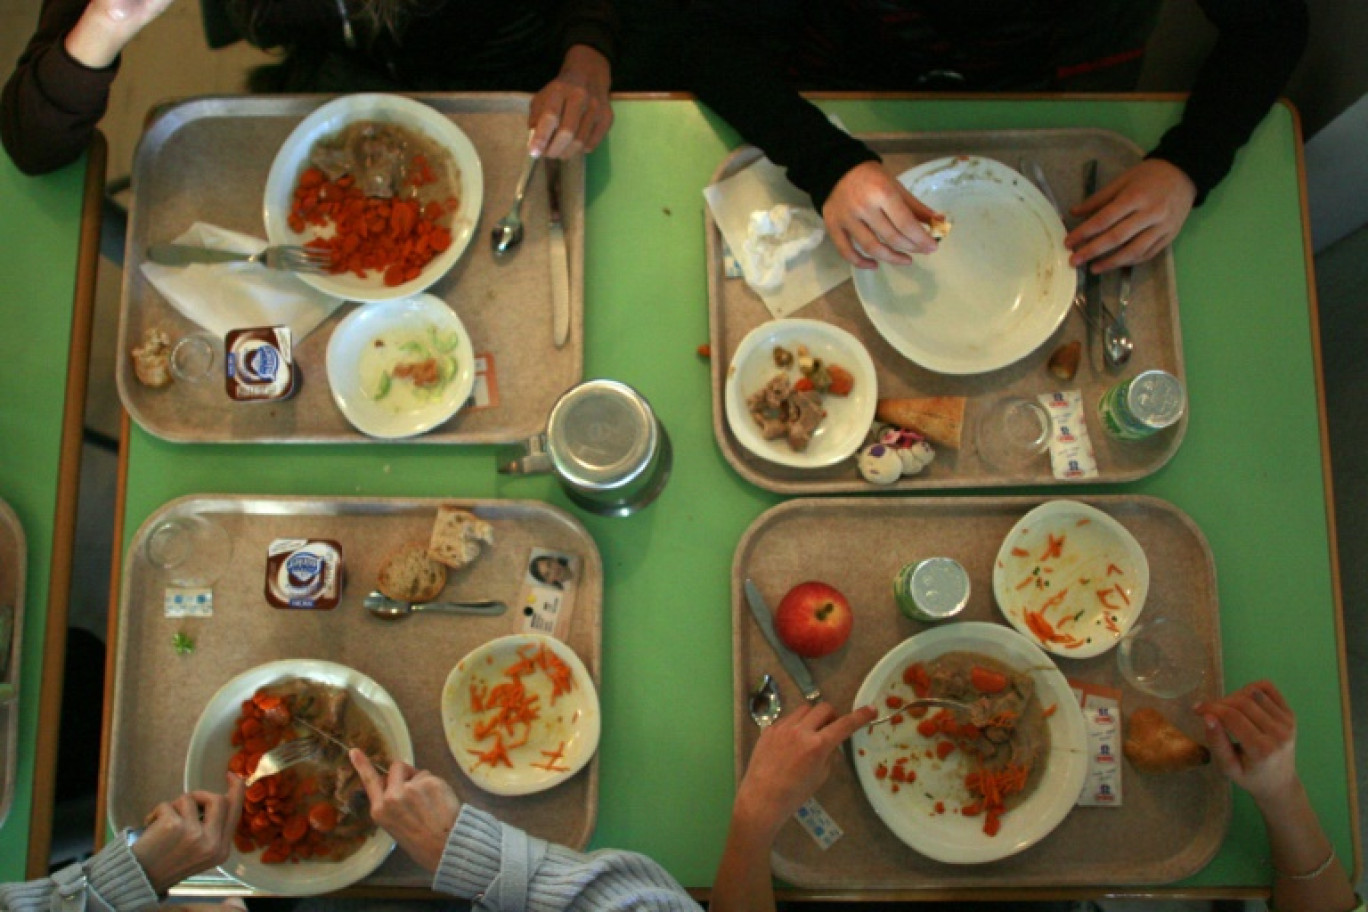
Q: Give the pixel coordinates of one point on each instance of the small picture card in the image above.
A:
(486, 392)
(182, 603)
(818, 823)
(548, 592)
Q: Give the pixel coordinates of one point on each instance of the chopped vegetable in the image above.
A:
(183, 643)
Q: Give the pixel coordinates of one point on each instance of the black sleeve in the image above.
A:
(1259, 45)
(591, 22)
(269, 24)
(720, 59)
(51, 104)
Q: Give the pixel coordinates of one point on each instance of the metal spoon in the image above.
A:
(1116, 338)
(386, 608)
(765, 705)
(508, 233)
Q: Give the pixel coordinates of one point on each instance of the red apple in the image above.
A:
(813, 619)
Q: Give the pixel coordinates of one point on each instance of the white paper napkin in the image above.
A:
(761, 186)
(227, 296)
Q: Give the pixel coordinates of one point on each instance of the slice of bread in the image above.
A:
(1156, 745)
(409, 576)
(456, 537)
(940, 419)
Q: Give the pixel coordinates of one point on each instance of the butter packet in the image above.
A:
(550, 581)
(1102, 728)
(1071, 449)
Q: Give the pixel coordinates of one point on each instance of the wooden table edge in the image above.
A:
(1327, 476)
(112, 629)
(64, 521)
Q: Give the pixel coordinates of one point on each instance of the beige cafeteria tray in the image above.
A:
(1169, 826)
(13, 563)
(734, 310)
(158, 695)
(206, 160)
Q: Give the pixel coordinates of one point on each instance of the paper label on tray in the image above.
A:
(1102, 724)
(548, 594)
(1071, 449)
(818, 823)
(184, 602)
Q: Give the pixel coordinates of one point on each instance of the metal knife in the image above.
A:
(560, 261)
(1092, 283)
(342, 744)
(792, 663)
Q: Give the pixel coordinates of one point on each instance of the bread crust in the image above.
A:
(1156, 745)
(408, 575)
(456, 537)
(939, 419)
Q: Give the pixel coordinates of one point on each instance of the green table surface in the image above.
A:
(1249, 471)
(40, 228)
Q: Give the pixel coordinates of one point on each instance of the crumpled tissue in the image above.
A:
(776, 237)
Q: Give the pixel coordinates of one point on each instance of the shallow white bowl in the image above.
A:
(1089, 534)
(359, 330)
(949, 836)
(997, 288)
(848, 418)
(206, 763)
(293, 158)
(574, 719)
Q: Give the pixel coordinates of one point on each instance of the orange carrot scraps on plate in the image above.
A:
(1054, 547)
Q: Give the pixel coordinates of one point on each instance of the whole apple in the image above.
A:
(813, 619)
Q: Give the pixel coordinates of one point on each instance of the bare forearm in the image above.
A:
(743, 881)
(1299, 846)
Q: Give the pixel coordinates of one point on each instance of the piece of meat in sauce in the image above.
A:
(375, 154)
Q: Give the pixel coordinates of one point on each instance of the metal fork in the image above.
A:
(290, 257)
(284, 756)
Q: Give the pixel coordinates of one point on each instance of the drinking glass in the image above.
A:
(1162, 657)
(190, 550)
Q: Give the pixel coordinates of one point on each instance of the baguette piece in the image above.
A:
(939, 419)
(409, 576)
(1155, 745)
(456, 537)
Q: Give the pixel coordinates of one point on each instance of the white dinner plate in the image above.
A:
(1081, 602)
(848, 418)
(997, 288)
(355, 360)
(910, 813)
(206, 763)
(559, 743)
(331, 118)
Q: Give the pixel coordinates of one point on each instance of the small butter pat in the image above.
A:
(1071, 449)
(1102, 726)
(179, 603)
(775, 238)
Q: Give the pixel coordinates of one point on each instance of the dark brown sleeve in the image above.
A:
(51, 103)
(592, 22)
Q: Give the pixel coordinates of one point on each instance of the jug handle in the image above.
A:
(530, 458)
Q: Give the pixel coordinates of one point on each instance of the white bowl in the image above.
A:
(997, 288)
(353, 359)
(206, 763)
(329, 119)
(1097, 555)
(848, 418)
(571, 723)
(949, 836)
